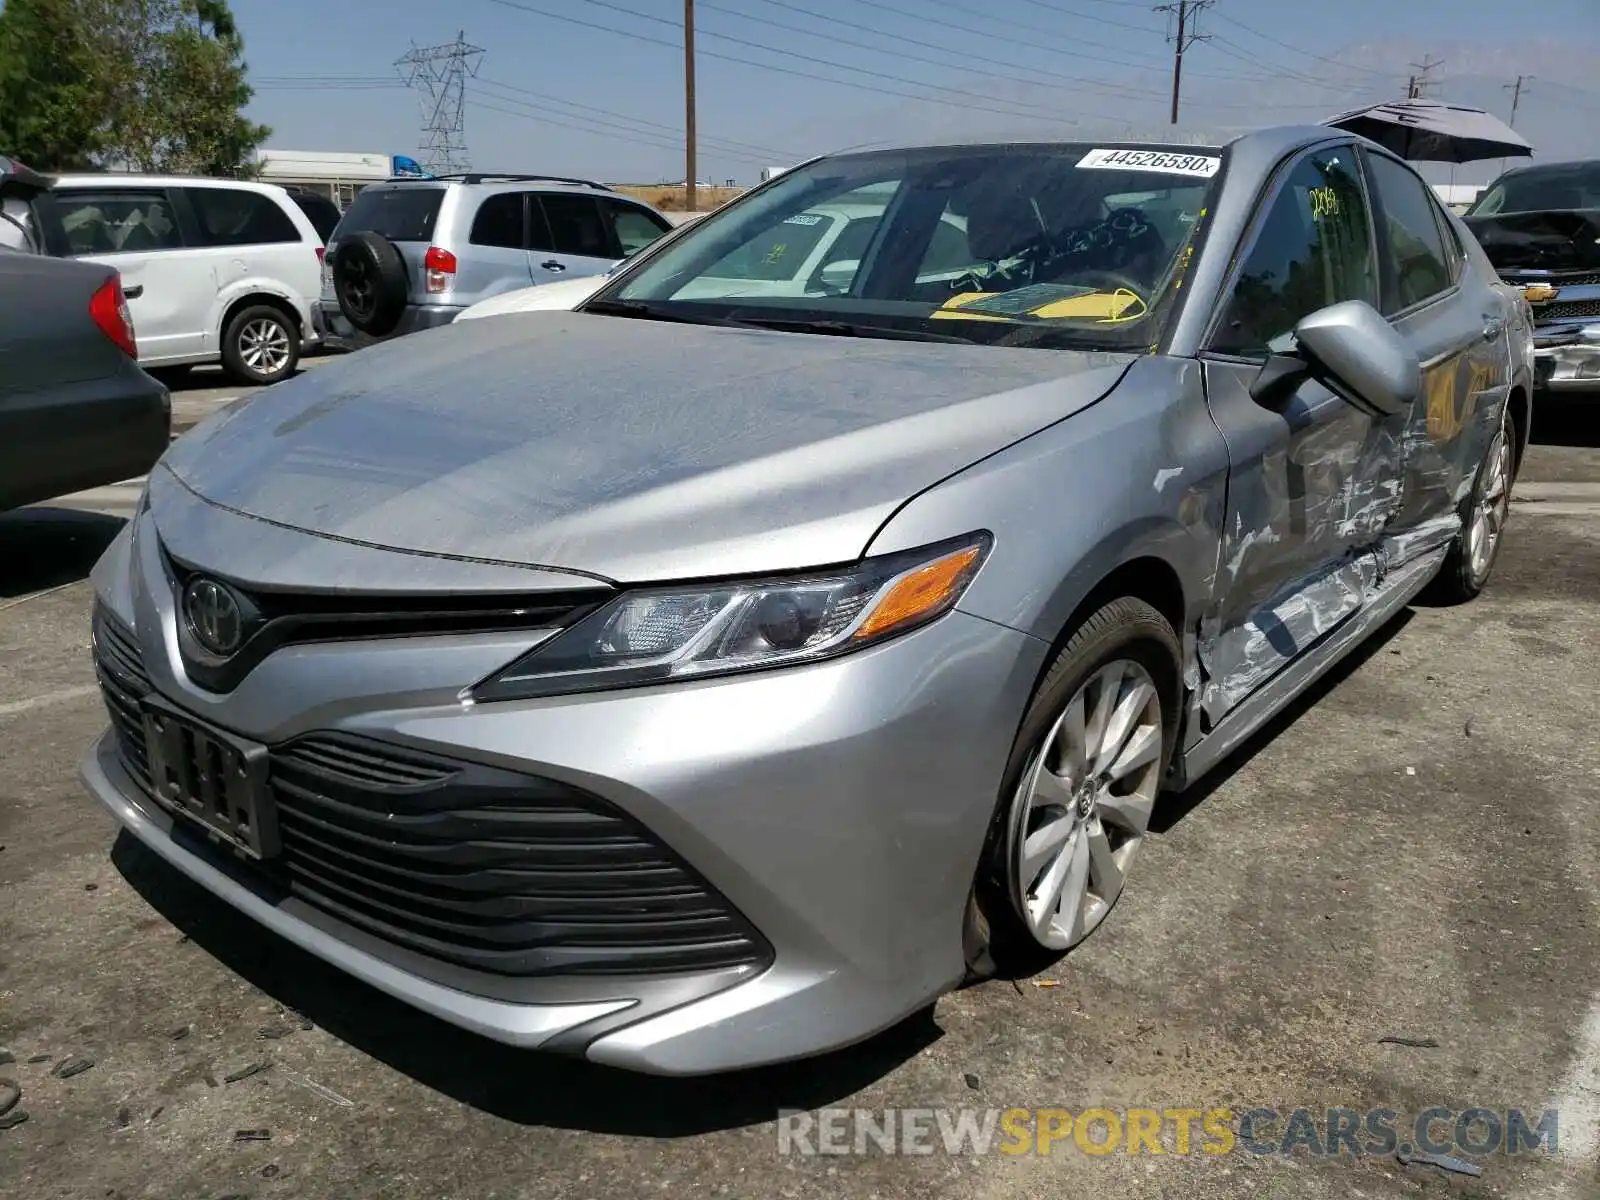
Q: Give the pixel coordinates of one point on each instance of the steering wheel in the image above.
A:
(981, 277)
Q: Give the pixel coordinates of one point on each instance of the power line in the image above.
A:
(1050, 78)
(964, 105)
(811, 58)
(1267, 37)
(630, 120)
(1059, 10)
(439, 74)
(1187, 13)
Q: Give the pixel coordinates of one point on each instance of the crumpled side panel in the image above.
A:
(1243, 658)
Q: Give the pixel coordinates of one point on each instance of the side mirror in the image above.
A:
(836, 277)
(1359, 354)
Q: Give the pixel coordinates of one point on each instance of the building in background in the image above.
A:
(335, 175)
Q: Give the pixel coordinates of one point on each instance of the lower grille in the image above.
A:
(1559, 309)
(490, 869)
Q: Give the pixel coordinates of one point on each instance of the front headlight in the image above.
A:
(712, 629)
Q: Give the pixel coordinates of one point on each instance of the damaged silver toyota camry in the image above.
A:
(720, 672)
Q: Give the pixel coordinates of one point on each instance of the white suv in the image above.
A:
(213, 269)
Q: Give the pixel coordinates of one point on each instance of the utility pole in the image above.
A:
(439, 74)
(1187, 13)
(1516, 89)
(689, 167)
(1417, 89)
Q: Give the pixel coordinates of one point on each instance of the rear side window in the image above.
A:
(634, 227)
(576, 226)
(499, 222)
(234, 217)
(1313, 249)
(401, 214)
(117, 222)
(322, 212)
(1416, 265)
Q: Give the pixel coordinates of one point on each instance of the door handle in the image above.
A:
(134, 292)
(551, 264)
(1493, 327)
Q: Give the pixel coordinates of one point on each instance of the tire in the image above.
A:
(260, 346)
(370, 280)
(1467, 567)
(1126, 637)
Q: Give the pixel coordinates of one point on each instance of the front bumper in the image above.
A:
(1566, 356)
(339, 334)
(840, 808)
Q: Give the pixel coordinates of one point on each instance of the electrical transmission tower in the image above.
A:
(1187, 14)
(439, 75)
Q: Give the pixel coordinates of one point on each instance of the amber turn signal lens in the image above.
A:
(922, 593)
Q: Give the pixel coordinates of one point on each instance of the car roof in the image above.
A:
(1567, 164)
(490, 182)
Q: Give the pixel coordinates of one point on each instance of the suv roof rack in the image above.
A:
(499, 177)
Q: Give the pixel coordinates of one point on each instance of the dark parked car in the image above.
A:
(75, 409)
(1540, 227)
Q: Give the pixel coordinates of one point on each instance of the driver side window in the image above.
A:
(1313, 249)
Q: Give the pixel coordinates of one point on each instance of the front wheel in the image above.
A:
(1082, 782)
(260, 346)
(1472, 555)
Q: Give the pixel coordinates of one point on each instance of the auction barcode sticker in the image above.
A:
(1165, 161)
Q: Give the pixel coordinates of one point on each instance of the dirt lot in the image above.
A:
(675, 198)
(1414, 850)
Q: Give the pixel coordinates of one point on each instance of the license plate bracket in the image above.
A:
(212, 778)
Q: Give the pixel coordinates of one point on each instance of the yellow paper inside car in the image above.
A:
(1103, 306)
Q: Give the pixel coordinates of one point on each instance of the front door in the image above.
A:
(1312, 479)
(136, 232)
(568, 237)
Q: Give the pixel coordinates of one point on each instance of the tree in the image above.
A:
(155, 85)
(54, 85)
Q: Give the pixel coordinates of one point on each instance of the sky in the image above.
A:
(595, 88)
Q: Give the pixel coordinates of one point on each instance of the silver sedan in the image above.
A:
(720, 672)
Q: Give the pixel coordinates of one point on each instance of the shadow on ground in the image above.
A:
(1565, 421)
(44, 547)
(517, 1085)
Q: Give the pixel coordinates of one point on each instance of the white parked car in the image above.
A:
(213, 269)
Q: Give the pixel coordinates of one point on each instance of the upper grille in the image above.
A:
(1553, 278)
(276, 619)
(487, 868)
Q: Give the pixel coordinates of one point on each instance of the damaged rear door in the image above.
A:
(1313, 480)
(1457, 321)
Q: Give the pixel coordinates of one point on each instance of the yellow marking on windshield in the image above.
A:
(1105, 307)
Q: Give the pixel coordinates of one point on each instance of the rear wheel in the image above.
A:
(1472, 555)
(260, 346)
(1080, 787)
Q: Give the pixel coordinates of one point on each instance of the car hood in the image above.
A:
(543, 297)
(1558, 240)
(627, 449)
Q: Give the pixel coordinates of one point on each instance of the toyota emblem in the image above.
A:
(214, 616)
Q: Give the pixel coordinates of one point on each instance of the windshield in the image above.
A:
(401, 214)
(1040, 245)
(1542, 189)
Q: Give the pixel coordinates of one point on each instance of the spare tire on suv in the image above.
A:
(370, 281)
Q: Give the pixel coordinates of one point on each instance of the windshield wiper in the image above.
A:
(653, 312)
(850, 329)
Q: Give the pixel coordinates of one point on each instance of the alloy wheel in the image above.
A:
(264, 346)
(1490, 509)
(1084, 803)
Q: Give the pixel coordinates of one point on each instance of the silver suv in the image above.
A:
(413, 253)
